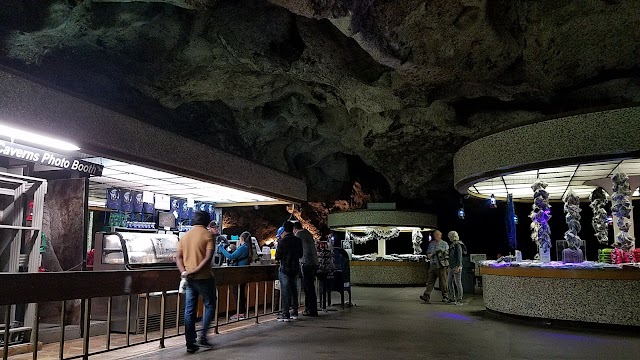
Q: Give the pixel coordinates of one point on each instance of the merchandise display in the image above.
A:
(621, 208)
(573, 254)
(540, 215)
(599, 199)
(551, 264)
(392, 257)
(604, 255)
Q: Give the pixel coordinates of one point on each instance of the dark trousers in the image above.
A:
(309, 285)
(440, 274)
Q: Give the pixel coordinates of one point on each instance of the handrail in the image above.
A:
(22, 288)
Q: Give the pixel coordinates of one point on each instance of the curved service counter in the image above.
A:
(603, 296)
(389, 272)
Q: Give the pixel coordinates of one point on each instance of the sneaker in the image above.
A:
(192, 348)
(204, 343)
(282, 318)
(310, 313)
(294, 316)
(445, 300)
(424, 298)
(459, 303)
(237, 317)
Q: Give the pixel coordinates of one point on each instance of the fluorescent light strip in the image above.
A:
(37, 139)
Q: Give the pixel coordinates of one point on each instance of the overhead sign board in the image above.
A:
(48, 158)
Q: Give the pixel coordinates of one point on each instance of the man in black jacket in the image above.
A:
(288, 253)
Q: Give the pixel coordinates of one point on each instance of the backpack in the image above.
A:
(464, 248)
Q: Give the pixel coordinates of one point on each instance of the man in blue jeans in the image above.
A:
(195, 251)
(289, 252)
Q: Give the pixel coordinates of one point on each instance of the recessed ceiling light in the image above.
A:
(37, 139)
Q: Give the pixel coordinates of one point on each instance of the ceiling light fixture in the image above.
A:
(32, 138)
(492, 202)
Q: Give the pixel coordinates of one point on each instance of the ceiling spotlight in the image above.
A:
(515, 219)
(492, 202)
(461, 213)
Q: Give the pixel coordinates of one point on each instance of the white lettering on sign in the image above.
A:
(30, 154)
(89, 169)
(8, 150)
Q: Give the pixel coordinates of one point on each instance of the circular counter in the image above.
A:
(604, 296)
(388, 273)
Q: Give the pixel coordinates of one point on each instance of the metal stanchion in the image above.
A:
(7, 325)
(217, 318)
(62, 329)
(146, 317)
(238, 304)
(264, 311)
(35, 329)
(109, 322)
(87, 325)
(178, 298)
(162, 316)
(228, 300)
(128, 321)
(257, 302)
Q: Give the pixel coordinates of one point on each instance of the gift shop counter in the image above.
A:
(603, 296)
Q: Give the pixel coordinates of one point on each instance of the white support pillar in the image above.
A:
(382, 247)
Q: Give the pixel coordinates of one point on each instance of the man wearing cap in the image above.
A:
(288, 253)
(195, 251)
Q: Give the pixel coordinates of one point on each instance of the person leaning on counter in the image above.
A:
(241, 256)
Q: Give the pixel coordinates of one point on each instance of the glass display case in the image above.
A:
(129, 249)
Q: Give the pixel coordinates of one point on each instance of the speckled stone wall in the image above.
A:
(588, 300)
(599, 135)
(30, 105)
(388, 273)
(382, 218)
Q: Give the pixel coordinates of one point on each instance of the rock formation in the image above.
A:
(326, 88)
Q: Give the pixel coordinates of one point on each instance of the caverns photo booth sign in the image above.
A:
(48, 158)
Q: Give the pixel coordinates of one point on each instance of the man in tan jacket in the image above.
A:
(195, 251)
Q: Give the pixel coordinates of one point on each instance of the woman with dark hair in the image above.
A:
(242, 256)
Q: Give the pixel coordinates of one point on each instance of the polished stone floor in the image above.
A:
(393, 324)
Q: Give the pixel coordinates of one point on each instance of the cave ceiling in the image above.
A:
(382, 92)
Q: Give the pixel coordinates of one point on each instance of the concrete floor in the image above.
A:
(392, 323)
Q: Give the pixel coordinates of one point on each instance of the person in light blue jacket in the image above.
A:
(242, 256)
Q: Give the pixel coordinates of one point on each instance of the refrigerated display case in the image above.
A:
(136, 250)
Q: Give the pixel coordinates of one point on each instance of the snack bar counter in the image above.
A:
(595, 295)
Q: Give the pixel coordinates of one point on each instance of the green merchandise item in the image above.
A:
(43, 243)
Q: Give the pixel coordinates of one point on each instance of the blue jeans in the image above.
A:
(195, 288)
(289, 292)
